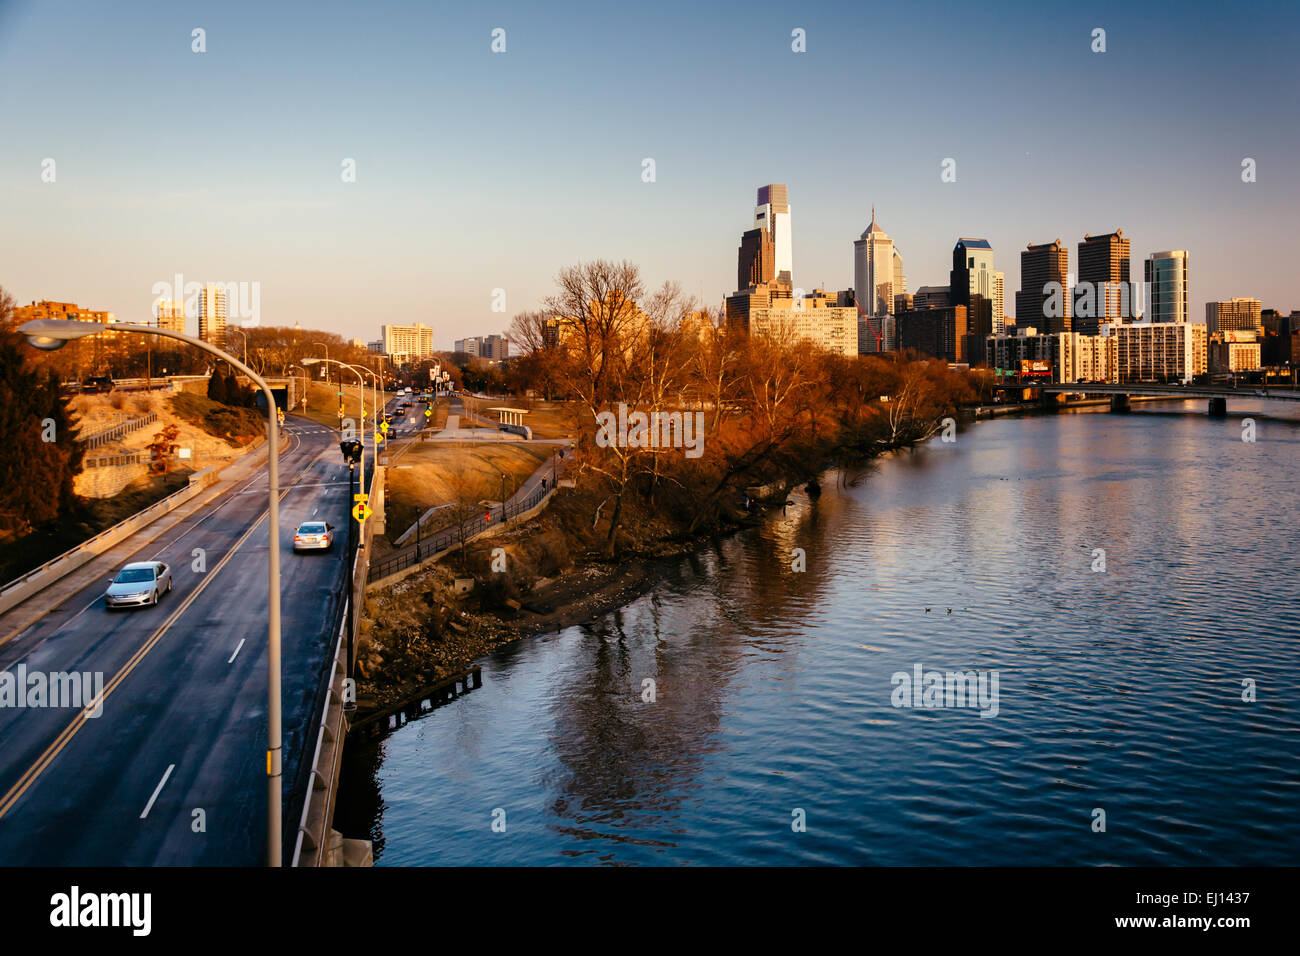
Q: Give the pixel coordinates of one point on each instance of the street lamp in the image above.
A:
(361, 396)
(245, 335)
(51, 334)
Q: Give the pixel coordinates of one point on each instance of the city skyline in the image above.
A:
(435, 223)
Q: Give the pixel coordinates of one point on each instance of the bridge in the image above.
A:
(1217, 395)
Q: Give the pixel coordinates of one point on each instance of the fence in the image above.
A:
(114, 432)
(447, 537)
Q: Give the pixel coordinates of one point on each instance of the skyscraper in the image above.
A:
(1037, 305)
(999, 303)
(873, 277)
(1103, 295)
(756, 259)
(773, 214)
(972, 274)
(212, 314)
(1166, 276)
(900, 280)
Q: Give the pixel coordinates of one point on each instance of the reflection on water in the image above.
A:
(1119, 690)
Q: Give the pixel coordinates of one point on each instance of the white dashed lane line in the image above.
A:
(236, 654)
(161, 783)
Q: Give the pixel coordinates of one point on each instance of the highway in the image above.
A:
(174, 770)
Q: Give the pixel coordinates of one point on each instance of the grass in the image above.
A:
(238, 426)
(428, 474)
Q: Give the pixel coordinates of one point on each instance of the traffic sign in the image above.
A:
(361, 497)
(361, 512)
(428, 412)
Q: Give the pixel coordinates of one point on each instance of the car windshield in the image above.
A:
(312, 528)
(134, 576)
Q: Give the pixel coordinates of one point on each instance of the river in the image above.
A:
(1118, 733)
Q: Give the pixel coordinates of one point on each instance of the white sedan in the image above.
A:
(313, 536)
(139, 584)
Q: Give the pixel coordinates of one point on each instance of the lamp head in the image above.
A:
(52, 334)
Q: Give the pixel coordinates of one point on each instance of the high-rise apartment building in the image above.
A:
(773, 214)
(1165, 274)
(900, 280)
(491, 347)
(817, 318)
(1044, 297)
(407, 342)
(212, 314)
(1239, 313)
(1165, 352)
(1103, 294)
(170, 315)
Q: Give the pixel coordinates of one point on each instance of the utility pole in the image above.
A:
(503, 498)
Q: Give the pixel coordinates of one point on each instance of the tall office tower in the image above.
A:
(1104, 294)
(1166, 276)
(1047, 310)
(999, 303)
(932, 297)
(756, 260)
(972, 275)
(900, 280)
(873, 269)
(212, 314)
(1236, 314)
(171, 315)
(773, 214)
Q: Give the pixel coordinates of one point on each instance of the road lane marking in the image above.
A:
(236, 654)
(47, 757)
(161, 783)
(15, 635)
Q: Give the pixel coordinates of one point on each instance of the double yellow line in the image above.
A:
(53, 750)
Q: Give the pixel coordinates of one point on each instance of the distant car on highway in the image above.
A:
(313, 536)
(97, 384)
(139, 584)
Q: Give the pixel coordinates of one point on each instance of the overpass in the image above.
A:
(1217, 395)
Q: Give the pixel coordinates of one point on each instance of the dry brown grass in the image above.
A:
(427, 475)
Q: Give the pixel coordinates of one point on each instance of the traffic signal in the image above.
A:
(351, 449)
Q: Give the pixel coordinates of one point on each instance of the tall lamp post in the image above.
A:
(361, 396)
(51, 334)
(245, 335)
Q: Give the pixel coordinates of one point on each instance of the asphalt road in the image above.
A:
(174, 770)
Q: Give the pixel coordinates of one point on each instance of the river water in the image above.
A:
(773, 736)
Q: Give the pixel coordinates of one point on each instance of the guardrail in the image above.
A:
(20, 589)
(444, 539)
(312, 843)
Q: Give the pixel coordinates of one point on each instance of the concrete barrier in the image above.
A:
(20, 589)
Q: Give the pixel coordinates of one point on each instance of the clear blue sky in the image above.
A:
(478, 170)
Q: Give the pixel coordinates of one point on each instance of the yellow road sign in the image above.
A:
(361, 512)
(361, 497)
(428, 412)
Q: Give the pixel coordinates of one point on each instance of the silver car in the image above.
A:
(140, 584)
(313, 536)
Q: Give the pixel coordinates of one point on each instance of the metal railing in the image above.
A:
(448, 537)
(114, 432)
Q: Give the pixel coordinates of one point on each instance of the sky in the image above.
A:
(479, 171)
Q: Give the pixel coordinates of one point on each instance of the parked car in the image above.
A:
(139, 584)
(313, 536)
(97, 384)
